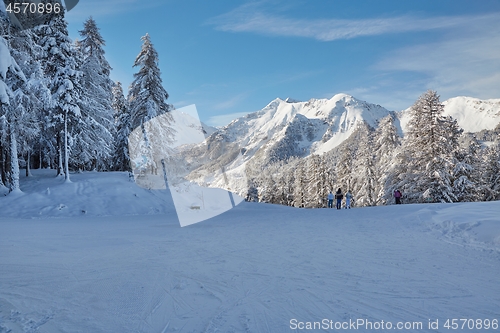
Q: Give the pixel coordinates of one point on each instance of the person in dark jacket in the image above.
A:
(339, 196)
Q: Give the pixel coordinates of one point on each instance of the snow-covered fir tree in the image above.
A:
(316, 188)
(92, 45)
(281, 186)
(121, 158)
(289, 180)
(147, 101)
(17, 110)
(9, 71)
(299, 193)
(491, 174)
(343, 168)
(93, 147)
(467, 172)
(431, 141)
(328, 161)
(147, 98)
(386, 141)
(5, 93)
(65, 85)
(364, 170)
(37, 95)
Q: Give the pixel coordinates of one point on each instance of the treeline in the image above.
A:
(59, 109)
(434, 162)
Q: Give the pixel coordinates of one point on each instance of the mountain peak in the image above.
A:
(292, 100)
(338, 97)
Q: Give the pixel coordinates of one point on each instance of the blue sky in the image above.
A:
(234, 57)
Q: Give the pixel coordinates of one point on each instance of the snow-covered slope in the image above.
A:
(188, 126)
(280, 130)
(258, 268)
(473, 115)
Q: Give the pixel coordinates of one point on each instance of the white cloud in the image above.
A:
(466, 62)
(248, 18)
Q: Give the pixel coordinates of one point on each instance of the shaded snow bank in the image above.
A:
(89, 193)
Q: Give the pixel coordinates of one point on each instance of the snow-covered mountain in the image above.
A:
(473, 115)
(287, 128)
(281, 130)
(188, 127)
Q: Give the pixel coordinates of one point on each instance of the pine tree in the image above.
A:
(17, 108)
(10, 75)
(364, 170)
(315, 182)
(386, 142)
(299, 197)
(329, 163)
(121, 159)
(94, 143)
(148, 108)
(324, 187)
(467, 172)
(92, 45)
(312, 183)
(36, 95)
(289, 180)
(65, 85)
(252, 192)
(491, 175)
(343, 170)
(431, 141)
(147, 97)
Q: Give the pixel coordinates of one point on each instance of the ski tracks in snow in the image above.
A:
(252, 269)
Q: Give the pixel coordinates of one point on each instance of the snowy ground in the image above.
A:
(252, 269)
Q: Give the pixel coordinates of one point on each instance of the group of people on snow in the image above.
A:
(348, 197)
(338, 197)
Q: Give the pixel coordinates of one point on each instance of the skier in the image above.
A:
(348, 197)
(339, 196)
(330, 200)
(397, 196)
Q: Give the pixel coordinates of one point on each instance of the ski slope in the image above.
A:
(255, 268)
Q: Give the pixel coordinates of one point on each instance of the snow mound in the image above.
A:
(471, 227)
(89, 194)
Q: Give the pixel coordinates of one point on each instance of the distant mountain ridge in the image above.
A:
(472, 114)
(281, 130)
(317, 125)
(287, 128)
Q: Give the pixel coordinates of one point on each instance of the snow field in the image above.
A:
(251, 269)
